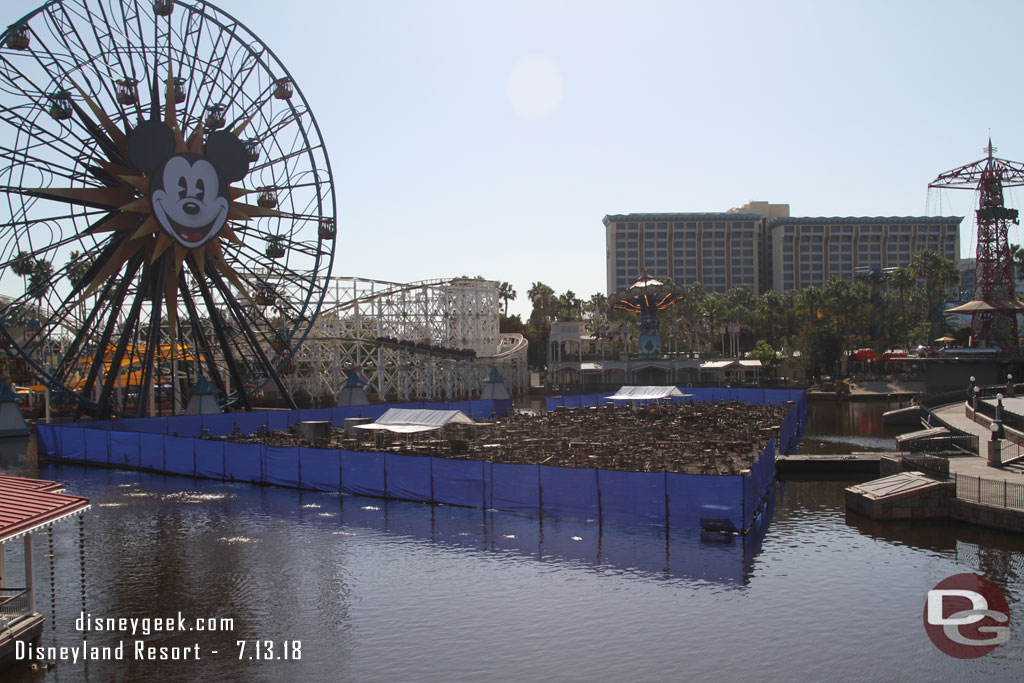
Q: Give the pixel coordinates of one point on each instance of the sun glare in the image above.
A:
(534, 87)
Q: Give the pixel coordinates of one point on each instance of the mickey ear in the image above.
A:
(227, 153)
(150, 145)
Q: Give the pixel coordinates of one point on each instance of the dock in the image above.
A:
(849, 463)
(907, 495)
(28, 629)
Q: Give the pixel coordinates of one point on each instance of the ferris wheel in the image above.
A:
(169, 211)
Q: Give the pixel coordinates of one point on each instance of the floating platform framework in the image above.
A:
(171, 445)
(692, 438)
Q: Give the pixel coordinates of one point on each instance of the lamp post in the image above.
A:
(974, 401)
(46, 396)
(995, 451)
(999, 407)
(1009, 385)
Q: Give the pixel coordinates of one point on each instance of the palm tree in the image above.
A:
(569, 306)
(902, 280)
(714, 309)
(39, 282)
(505, 293)
(78, 266)
(938, 275)
(22, 265)
(1017, 257)
(544, 301)
(597, 304)
(811, 302)
(770, 309)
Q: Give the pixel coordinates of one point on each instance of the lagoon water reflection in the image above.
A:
(395, 591)
(835, 427)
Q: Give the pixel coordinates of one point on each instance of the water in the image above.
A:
(838, 427)
(393, 591)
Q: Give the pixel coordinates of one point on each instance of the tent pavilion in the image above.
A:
(26, 506)
(656, 393)
(410, 420)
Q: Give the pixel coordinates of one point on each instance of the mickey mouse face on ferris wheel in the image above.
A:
(189, 193)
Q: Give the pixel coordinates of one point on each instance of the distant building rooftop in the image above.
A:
(863, 220)
(653, 217)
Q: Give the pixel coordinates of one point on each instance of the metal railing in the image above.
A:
(1010, 451)
(929, 401)
(934, 466)
(1007, 418)
(14, 605)
(958, 443)
(989, 491)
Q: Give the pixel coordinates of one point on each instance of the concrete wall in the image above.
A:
(1004, 519)
(932, 503)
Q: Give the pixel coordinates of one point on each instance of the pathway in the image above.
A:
(976, 466)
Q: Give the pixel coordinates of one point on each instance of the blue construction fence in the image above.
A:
(223, 424)
(657, 498)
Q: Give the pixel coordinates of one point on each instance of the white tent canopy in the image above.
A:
(409, 420)
(644, 393)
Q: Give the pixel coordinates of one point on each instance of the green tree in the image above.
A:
(597, 305)
(820, 345)
(938, 275)
(39, 279)
(569, 306)
(1017, 257)
(769, 357)
(740, 303)
(902, 280)
(714, 308)
(22, 264)
(506, 293)
(848, 306)
(544, 302)
(511, 324)
(77, 268)
(770, 309)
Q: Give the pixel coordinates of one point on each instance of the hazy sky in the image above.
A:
(490, 137)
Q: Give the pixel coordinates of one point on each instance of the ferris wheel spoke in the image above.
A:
(92, 197)
(208, 76)
(251, 59)
(240, 319)
(46, 139)
(22, 161)
(136, 36)
(73, 354)
(199, 336)
(152, 334)
(194, 26)
(104, 340)
(26, 223)
(225, 346)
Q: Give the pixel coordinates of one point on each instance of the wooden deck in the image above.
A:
(822, 464)
(28, 628)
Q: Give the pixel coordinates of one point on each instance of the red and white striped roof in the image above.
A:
(30, 504)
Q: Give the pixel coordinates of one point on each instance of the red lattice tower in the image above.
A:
(994, 308)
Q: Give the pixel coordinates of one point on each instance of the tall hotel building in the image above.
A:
(761, 247)
(805, 252)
